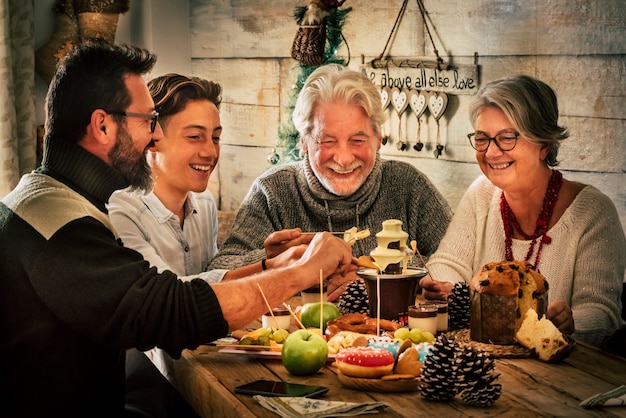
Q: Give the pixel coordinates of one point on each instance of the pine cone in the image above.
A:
(476, 374)
(459, 307)
(482, 396)
(439, 375)
(476, 368)
(354, 299)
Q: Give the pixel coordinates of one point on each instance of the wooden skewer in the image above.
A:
(293, 315)
(321, 302)
(416, 251)
(268, 306)
(378, 306)
(319, 232)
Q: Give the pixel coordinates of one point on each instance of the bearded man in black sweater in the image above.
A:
(72, 298)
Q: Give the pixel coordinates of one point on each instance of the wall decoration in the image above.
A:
(77, 21)
(333, 19)
(400, 102)
(417, 102)
(421, 83)
(385, 100)
(437, 104)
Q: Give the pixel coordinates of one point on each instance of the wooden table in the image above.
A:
(207, 378)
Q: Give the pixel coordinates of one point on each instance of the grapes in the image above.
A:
(428, 337)
(416, 335)
(401, 333)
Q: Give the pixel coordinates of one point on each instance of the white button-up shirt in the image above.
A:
(147, 226)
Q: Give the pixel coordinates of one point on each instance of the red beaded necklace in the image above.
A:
(510, 222)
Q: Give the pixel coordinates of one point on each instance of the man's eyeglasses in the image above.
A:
(505, 140)
(152, 117)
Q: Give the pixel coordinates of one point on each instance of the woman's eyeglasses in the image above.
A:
(505, 140)
(152, 117)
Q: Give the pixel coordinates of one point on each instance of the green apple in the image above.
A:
(310, 314)
(304, 352)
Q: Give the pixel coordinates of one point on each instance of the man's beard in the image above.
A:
(130, 162)
(337, 186)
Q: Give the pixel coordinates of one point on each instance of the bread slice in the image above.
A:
(542, 337)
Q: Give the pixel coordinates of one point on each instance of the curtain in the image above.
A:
(18, 130)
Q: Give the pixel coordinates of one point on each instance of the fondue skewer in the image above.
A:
(378, 305)
(321, 302)
(293, 315)
(319, 232)
(268, 305)
(416, 251)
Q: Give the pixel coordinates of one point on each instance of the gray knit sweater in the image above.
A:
(290, 196)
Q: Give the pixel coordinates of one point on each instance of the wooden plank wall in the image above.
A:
(576, 47)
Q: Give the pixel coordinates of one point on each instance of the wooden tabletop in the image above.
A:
(207, 378)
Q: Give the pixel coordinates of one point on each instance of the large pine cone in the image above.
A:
(482, 396)
(459, 307)
(439, 374)
(476, 375)
(354, 299)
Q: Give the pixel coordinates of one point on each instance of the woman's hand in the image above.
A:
(434, 289)
(561, 316)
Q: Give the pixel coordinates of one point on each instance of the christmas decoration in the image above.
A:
(477, 379)
(77, 21)
(450, 369)
(328, 12)
(459, 307)
(439, 375)
(354, 299)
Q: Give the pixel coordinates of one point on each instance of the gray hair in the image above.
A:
(333, 82)
(530, 105)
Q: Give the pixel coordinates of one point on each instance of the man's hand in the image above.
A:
(337, 284)
(287, 257)
(561, 316)
(332, 255)
(279, 241)
(434, 289)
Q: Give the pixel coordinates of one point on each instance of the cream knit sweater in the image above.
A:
(584, 264)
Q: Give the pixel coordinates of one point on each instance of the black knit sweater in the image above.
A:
(72, 298)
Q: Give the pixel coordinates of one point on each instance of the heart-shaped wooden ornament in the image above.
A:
(437, 103)
(417, 101)
(399, 99)
(385, 97)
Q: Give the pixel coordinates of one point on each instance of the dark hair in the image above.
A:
(90, 77)
(530, 105)
(172, 92)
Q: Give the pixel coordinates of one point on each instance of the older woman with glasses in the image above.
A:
(523, 209)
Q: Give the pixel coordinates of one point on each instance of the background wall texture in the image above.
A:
(578, 47)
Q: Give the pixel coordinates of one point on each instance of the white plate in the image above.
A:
(275, 355)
